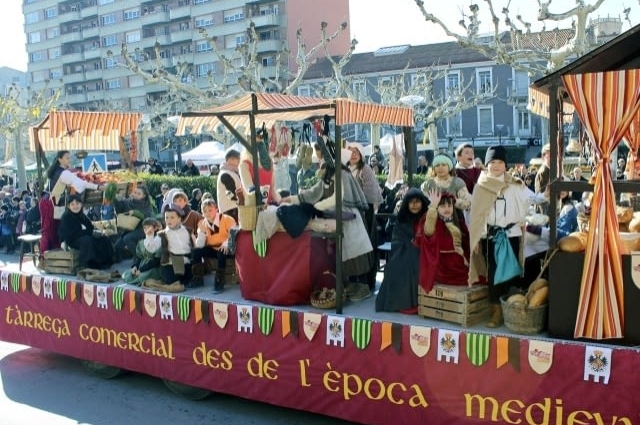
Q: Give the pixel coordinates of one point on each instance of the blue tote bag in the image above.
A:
(507, 264)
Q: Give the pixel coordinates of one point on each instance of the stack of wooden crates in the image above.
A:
(58, 261)
(458, 304)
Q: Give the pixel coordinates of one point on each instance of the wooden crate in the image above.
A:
(58, 261)
(92, 197)
(458, 304)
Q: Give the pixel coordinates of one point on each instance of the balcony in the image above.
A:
(73, 57)
(95, 96)
(90, 32)
(269, 45)
(70, 37)
(269, 72)
(180, 12)
(517, 95)
(76, 98)
(73, 78)
(93, 53)
(179, 36)
(72, 15)
(266, 20)
(155, 18)
(89, 11)
(96, 74)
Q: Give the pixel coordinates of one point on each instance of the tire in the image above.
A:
(187, 391)
(102, 370)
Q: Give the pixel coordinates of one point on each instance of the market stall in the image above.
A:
(604, 88)
(255, 109)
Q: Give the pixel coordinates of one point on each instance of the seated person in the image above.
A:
(139, 205)
(190, 218)
(146, 262)
(176, 245)
(567, 219)
(76, 231)
(213, 233)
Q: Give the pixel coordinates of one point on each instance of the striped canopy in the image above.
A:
(632, 140)
(607, 103)
(80, 130)
(271, 107)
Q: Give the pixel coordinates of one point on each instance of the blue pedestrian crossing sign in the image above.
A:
(94, 163)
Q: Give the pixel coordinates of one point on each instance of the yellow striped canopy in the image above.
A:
(80, 130)
(273, 107)
(607, 103)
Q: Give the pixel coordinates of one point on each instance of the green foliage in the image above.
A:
(187, 184)
(418, 179)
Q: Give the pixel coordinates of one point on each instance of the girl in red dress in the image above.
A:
(444, 250)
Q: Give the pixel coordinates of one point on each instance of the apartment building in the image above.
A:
(68, 42)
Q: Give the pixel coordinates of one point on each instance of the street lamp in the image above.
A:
(500, 127)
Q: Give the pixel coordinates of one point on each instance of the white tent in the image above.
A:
(205, 153)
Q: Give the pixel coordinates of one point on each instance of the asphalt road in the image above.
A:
(39, 387)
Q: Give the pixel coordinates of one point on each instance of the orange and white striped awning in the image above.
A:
(80, 130)
(271, 107)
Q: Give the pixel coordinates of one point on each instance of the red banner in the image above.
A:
(374, 372)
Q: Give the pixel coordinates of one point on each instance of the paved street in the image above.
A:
(39, 387)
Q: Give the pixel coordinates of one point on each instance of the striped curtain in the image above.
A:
(606, 103)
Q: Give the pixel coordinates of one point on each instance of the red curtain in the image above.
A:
(606, 103)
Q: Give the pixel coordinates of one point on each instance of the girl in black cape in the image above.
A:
(399, 289)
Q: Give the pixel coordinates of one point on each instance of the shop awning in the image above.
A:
(80, 130)
(271, 107)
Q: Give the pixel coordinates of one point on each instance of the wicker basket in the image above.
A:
(247, 217)
(522, 319)
(127, 222)
(326, 298)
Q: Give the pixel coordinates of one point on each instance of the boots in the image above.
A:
(197, 276)
(218, 283)
(496, 318)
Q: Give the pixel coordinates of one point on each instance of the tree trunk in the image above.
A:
(432, 131)
(21, 173)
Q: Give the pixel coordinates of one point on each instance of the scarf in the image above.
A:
(484, 197)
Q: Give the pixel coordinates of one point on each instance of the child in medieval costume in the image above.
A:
(175, 261)
(357, 251)
(190, 218)
(211, 242)
(444, 251)
(499, 208)
(442, 177)
(466, 166)
(399, 289)
(146, 263)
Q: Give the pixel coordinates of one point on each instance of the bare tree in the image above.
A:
(518, 47)
(20, 110)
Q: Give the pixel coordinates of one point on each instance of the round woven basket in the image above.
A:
(325, 298)
(524, 320)
(247, 217)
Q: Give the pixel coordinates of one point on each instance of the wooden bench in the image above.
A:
(33, 241)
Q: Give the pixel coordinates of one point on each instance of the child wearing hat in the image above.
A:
(442, 178)
(500, 202)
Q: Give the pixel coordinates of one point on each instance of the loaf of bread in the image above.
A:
(575, 242)
(539, 297)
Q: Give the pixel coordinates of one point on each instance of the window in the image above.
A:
(138, 103)
(54, 53)
(53, 32)
(37, 57)
(359, 88)
(200, 1)
(109, 40)
(454, 125)
(521, 84)
(34, 37)
(31, 18)
(240, 39)
(132, 36)
(268, 61)
(452, 83)
(113, 84)
(485, 120)
(136, 81)
(484, 81)
(234, 15)
(203, 69)
(108, 19)
(524, 121)
(304, 91)
(264, 35)
(39, 76)
(203, 46)
(269, 10)
(109, 63)
(131, 14)
(101, 2)
(204, 21)
(51, 12)
(55, 73)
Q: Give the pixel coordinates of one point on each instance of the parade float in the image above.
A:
(352, 363)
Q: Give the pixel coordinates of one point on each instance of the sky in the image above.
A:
(374, 23)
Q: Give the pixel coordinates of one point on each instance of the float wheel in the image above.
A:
(186, 391)
(102, 370)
